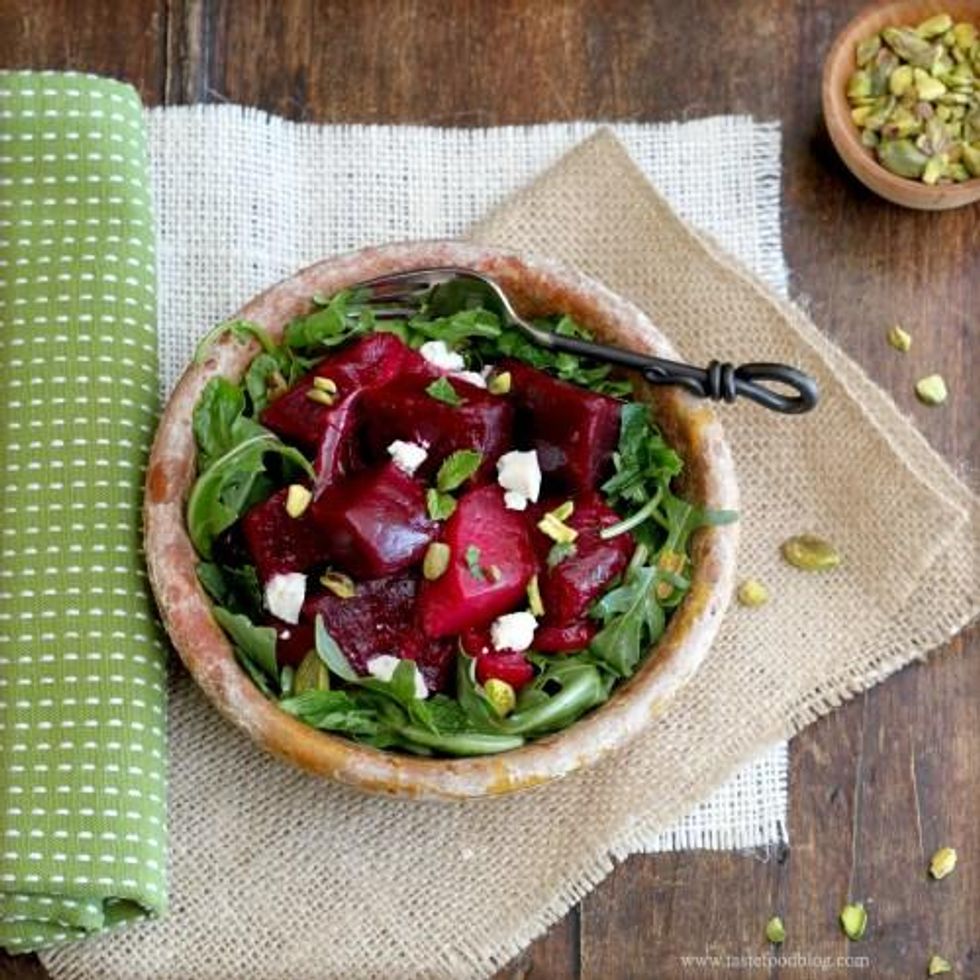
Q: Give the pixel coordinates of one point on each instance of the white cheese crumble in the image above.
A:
(439, 355)
(520, 475)
(471, 377)
(515, 631)
(284, 595)
(514, 500)
(407, 456)
(384, 667)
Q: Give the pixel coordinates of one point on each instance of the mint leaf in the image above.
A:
(439, 505)
(472, 556)
(458, 467)
(560, 550)
(442, 391)
(335, 711)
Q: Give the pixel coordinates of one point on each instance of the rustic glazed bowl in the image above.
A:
(537, 287)
(860, 159)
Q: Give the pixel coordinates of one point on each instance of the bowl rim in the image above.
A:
(206, 652)
(857, 157)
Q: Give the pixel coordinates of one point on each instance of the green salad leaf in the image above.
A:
(442, 390)
(233, 483)
(256, 643)
(455, 330)
(343, 317)
(457, 468)
(633, 619)
(568, 367)
(241, 330)
(220, 422)
(439, 505)
(237, 589)
(642, 459)
(335, 711)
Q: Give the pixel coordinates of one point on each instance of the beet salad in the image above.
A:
(429, 534)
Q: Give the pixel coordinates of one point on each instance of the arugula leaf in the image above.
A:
(256, 643)
(642, 459)
(241, 330)
(439, 505)
(237, 589)
(458, 467)
(342, 318)
(568, 367)
(442, 391)
(219, 421)
(681, 519)
(558, 696)
(233, 483)
(472, 556)
(634, 620)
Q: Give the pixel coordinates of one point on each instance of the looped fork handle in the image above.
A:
(726, 382)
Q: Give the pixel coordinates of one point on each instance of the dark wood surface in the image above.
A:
(881, 783)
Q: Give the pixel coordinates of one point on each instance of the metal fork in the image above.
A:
(401, 294)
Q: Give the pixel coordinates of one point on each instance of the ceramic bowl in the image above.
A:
(845, 135)
(537, 287)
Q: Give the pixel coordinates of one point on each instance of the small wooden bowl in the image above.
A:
(537, 287)
(846, 137)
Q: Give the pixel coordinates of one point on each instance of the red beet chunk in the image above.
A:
(568, 589)
(372, 360)
(293, 643)
(375, 522)
(511, 667)
(565, 639)
(404, 410)
(496, 541)
(381, 619)
(279, 543)
(574, 430)
(336, 453)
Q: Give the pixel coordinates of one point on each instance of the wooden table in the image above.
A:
(881, 783)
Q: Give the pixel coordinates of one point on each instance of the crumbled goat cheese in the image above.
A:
(514, 500)
(284, 595)
(519, 473)
(470, 377)
(407, 456)
(439, 355)
(515, 631)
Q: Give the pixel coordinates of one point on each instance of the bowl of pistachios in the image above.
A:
(901, 100)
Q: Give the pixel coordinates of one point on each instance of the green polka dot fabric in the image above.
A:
(82, 664)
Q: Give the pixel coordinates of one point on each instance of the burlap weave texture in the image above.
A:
(279, 876)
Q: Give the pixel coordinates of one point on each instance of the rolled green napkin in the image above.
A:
(82, 664)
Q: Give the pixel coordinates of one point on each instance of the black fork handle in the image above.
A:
(718, 381)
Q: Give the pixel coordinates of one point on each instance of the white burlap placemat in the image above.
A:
(276, 875)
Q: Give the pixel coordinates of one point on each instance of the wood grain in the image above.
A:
(879, 784)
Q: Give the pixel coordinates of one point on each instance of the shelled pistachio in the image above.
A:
(915, 97)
